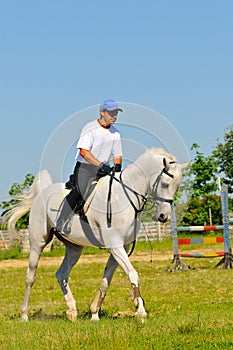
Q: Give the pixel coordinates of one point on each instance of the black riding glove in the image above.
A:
(103, 170)
(117, 168)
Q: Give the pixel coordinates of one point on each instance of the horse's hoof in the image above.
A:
(95, 317)
(24, 318)
(71, 315)
(141, 316)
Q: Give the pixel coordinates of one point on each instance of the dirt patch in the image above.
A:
(85, 259)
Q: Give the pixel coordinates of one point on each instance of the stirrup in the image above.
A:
(64, 229)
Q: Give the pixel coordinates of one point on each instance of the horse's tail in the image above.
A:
(24, 201)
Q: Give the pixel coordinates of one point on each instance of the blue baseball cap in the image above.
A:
(110, 105)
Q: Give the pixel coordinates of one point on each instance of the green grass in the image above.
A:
(187, 310)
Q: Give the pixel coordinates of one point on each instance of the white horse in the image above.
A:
(155, 171)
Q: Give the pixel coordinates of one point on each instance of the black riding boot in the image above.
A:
(63, 224)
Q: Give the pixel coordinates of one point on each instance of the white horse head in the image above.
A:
(163, 175)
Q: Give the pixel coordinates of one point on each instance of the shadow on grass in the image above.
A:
(40, 315)
(43, 316)
(109, 316)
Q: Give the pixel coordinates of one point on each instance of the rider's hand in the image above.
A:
(103, 170)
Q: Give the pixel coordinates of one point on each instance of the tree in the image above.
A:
(203, 174)
(199, 210)
(200, 182)
(16, 190)
(223, 155)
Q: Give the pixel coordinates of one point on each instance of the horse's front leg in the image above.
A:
(120, 255)
(71, 257)
(105, 283)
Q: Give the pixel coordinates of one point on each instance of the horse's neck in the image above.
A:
(135, 177)
(138, 174)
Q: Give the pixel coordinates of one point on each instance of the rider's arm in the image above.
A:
(117, 160)
(88, 156)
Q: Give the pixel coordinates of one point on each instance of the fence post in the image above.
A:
(227, 260)
(3, 240)
(178, 264)
(159, 238)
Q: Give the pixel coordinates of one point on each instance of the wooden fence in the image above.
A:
(7, 241)
(149, 231)
(153, 231)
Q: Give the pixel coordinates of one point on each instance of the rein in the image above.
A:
(137, 211)
(144, 198)
(109, 205)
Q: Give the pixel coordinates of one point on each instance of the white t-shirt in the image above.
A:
(103, 143)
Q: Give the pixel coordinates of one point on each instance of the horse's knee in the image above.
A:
(133, 277)
(30, 277)
(57, 276)
(104, 285)
(63, 282)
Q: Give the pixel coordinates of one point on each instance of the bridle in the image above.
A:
(156, 184)
(138, 195)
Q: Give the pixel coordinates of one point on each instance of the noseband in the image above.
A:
(156, 184)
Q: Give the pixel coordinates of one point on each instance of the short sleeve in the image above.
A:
(117, 146)
(86, 139)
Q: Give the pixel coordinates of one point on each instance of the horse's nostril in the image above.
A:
(162, 218)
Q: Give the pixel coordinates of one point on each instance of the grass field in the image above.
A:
(186, 310)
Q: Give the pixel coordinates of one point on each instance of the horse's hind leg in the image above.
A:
(120, 255)
(36, 247)
(30, 279)
(71, 257)
(100, 295)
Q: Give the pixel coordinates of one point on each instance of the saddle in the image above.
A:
(92, 186)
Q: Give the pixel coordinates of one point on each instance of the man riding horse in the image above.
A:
(99, 142)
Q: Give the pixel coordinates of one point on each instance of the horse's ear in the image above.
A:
(185, 165)
(166, 164)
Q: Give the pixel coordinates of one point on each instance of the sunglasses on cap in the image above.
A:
(113, 113)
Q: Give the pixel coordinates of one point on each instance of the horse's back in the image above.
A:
(46, 205)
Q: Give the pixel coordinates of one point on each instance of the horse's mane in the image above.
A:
(149, 153)
(162, 152)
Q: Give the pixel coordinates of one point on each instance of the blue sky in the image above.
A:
(60, 57)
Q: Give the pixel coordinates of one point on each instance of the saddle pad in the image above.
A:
(91, 196)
